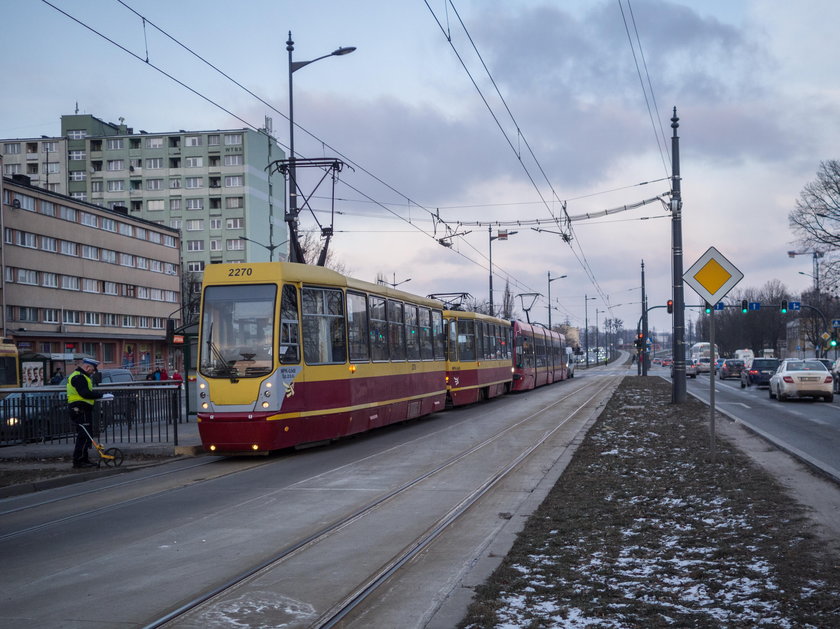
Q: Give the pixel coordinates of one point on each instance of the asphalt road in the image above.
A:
(808, 429)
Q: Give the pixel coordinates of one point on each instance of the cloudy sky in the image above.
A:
(415, 114)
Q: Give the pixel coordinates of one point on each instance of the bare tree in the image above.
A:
(310, 244)
(816, 219)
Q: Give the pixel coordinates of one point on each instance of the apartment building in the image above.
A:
(214, 186)
(79, 278)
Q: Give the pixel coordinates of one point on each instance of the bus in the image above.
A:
(9, 364)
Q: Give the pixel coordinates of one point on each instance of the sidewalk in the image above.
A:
(189, 444)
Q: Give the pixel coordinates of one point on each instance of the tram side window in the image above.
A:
(289, 327)
(425, 334)
(412, 333)
(378, 329)
(466, 339)
(438, 335)
(396, 330)
(452, 345)
(539, 344)
(507, 336)
(479, 340)
(323, 326)
(357, 327)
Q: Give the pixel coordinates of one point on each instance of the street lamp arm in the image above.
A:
(338, 52)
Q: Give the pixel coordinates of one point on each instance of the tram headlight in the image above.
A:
(205, 405)
(254, 447)
(268, 385)
(265, 405)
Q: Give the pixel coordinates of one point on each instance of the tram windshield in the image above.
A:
(237, 331)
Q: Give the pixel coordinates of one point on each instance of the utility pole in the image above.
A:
(643, 356)
(678, 392)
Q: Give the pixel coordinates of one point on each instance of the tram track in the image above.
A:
(189, 613)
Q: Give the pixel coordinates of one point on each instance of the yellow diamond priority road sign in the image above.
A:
(712, 276)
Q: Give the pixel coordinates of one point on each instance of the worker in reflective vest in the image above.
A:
(80, 400)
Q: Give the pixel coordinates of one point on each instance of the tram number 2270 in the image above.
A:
(240, 272)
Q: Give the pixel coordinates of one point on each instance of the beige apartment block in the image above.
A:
(82, 279)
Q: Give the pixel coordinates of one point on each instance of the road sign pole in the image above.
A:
(712, 359)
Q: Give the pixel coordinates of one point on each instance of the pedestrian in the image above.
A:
(156, 374)
(56, 377)
(80, 398)
(164, 375)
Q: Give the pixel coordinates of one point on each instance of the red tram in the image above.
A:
(294, 354)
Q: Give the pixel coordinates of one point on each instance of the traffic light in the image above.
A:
(784, 306)
(708, 308)
(745, 306)
(832, 342)
(669, 306)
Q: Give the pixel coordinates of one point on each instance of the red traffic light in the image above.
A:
(669, 305)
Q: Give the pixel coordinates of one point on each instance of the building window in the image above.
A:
(233, 203)
(91, 318)
(193, 182)
(215, 223)
(195, 245)
(175, 223)
(77, 175)
(109, 256)
(54, 168)
(90, 286)
(111, 320)
(110, 288)
(89, 252)
(126, 259)
(175, 205)
(86, 218)
(51, 315)
(155, 205)
(175, 183)
(78, 155)
(77, 134)
(192, 140)
(27, 276)
(234, 160)
(213, 139)
(195, 267)
(194, 225)
(48, 147)
(154, 184)
(233, 139)
(154, 163)
(27, 313)
(13, 148)
(234, 181)
(49, 280)
(142, 263)
(115, 164)
(154, 143)
(26, 239)
(195, 204)
(69, 248)
(12, 169)
(114, 144)
(194, 162)
(70, 282)
(215, 244)
(116, 185)
(128, 321)
(235, 223)
(235, 244)
(125, 229)
(49, 244)
(96, 186)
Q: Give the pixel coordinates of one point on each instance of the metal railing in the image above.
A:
(141, 412)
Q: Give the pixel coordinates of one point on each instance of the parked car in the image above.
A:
(110, 376)
(33, 416)
(667, 361)
(802, 378)
(759, 372)
(703, 365)
(730, 368)
(718, 363)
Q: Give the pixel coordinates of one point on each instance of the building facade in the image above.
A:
(81, 279)
(214, 186)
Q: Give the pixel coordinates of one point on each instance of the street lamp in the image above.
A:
(816, 275)
(586, 301)
(550, 280)
(295, 253)
(502, 234)
(270, 248)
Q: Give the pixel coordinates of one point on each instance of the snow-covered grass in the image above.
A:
(642, 530)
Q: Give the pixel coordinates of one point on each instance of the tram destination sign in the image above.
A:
(712, 276)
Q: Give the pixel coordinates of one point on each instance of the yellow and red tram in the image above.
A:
(292, 354)
(479, 357)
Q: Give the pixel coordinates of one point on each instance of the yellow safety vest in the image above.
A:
(72, 394)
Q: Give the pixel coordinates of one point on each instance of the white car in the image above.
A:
(796, 377)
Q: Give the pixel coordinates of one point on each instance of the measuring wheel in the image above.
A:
(113, 456)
